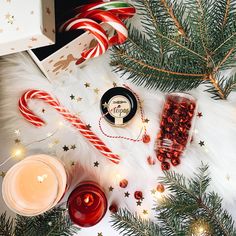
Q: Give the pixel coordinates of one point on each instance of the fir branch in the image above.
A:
(6, 225)
(52, 223)
(187, 204)
(130, 224)
(184, 44)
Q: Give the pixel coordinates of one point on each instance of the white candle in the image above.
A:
(34, 185)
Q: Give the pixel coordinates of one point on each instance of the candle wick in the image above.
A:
(41, 178)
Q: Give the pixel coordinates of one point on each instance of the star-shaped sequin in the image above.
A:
(17, 132)
(72, 97)
(17, 141)
(105, 105)
(111, 189)
(87, 85)
(79, 99)
(127, 194)
(139, 203)
(2, 174)
(73, 147)
(88, 126)
(96, 90)
(145, 212)
(65, 148)
(201, 143)
(199, 114)
(96, 164)
(146, 120)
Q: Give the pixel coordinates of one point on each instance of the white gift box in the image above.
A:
(26, 24)
(63, 60)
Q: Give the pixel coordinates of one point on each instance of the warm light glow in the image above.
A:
(60, 124)
(18, 153)
(88, 199)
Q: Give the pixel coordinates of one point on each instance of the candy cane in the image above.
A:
(122, 9)
(74, 120)
(95, 29)
(112, 20)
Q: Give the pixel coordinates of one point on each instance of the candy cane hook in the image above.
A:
(74, 120)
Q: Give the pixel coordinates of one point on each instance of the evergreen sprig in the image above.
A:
(187, 203)
(52, 223)
(183, 44)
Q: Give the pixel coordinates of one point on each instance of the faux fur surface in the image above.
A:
(217, 128)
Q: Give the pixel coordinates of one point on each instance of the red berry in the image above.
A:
(160, 188)
(113, 208)
(161, 157)
(138, 195)
(146, 138)
(123, 183)
(175, 161)
(151, 161)
(165, 165)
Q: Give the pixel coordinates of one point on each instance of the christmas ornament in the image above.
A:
(160, 188)
(113, 208)
(87, 204)
(123, 183)
(176, 127)
(74, 120)
(118, 106)
(138, 195)
(35, 185)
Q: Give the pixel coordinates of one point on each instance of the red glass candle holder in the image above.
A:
(87, 204)
(176, 128)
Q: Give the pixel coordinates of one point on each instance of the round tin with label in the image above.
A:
(118, 105)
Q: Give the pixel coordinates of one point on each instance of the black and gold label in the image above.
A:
(119, 106)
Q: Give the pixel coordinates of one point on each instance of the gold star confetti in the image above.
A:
(127, 194)
(87, 85)
(96, 90)
(33, 39)
(96, 164)
(100, 234)
(105, 105)
(2, 174)
(73, 147)
(145, 212)
(79, 99)
(153, 191)
(43, 110)
(17, 132)
(17, 140)
(56, 141)
(114, 84)
(72, 97)
(72, 163)
(146, 120)
(111, 189)
(228, 177)
(88, 126)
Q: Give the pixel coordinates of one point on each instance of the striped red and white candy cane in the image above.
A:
(95, 29)
(111, 19)
(74, 120)
(122, 9)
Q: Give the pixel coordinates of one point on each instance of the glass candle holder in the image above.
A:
(87, 204)
(176, 127)
(34, 185)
